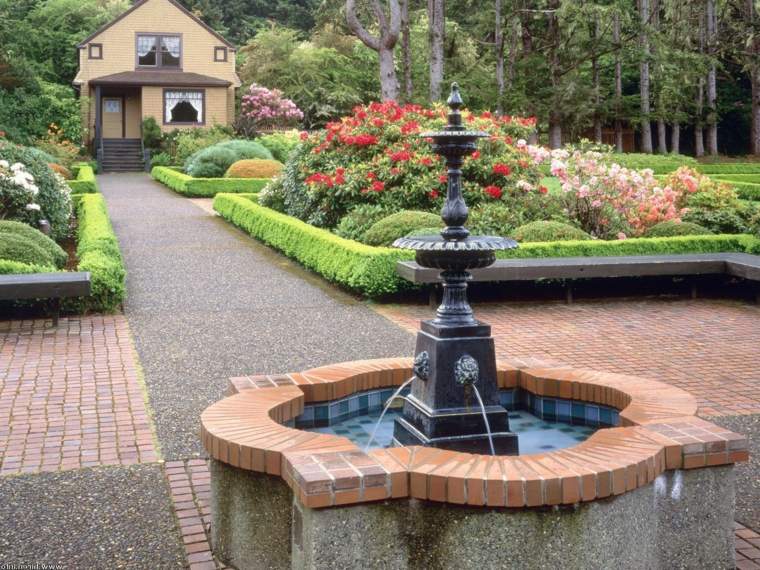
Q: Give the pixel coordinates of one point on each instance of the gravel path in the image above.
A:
(107, 517)
(206, 302)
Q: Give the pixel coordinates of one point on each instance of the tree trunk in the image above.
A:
(675, 139)
(388, 34)
(555, 133)
(754, 78)
(712, 110)
(595, 78)
(436, 29)
(662, 140)
(389, 87)
(618, 83)
(699, 138)
(646, 127)
(407, 52)
(499, 48)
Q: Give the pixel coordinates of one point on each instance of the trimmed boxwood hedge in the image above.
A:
(730, 168)
(98, 252)
(85, 182)
(205, 187)
(371, 271)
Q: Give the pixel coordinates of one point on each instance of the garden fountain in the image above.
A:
(455, 357)
(644, 484)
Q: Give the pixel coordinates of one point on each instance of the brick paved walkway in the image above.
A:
(70, 396)
(707, 347)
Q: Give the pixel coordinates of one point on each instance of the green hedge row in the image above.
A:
(730, 168)
(371, 271)
(205, 187)
(85, 182)
(98, 252)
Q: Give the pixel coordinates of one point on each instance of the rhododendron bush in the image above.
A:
(261, 107)
(376, 156)
(608, 201)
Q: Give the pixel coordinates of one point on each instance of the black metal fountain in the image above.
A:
(454, 401)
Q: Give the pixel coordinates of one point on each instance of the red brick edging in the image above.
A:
(660, 431)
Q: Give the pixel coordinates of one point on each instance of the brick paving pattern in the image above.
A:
(707, 347)
(189, 485)
(747, 548)
(70, 396)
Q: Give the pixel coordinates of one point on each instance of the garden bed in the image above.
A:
(371, 271)
(97, 251)
(205, 187)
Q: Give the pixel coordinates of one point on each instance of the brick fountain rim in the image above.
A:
(659, 431)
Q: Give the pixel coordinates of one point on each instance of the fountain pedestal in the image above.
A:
(459, 357)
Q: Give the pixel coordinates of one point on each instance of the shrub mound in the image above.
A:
(280, 144)
(549, 231)
(205, 187)
(213, 161)
(356, 223)
(254, 168)
(35, 237)
(424, 232)
(14, 247)
(54, 195)
(62, 170)
(390, 228)
(493, 220)
(676, 228)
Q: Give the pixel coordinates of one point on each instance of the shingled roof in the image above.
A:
(168, 78)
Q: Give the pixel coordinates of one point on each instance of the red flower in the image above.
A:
(339, 176)
(371, 175)
(493, 191)
(379, 123)
(319, 178)
(508, 139)
(304, 135)
(434, 194)
(395, 171)
(443, 179)
(475, 155)
(523, 164)
(426, 161)
(410, 127)
(503, 169)
(543, 189)
(401, 156)
(378, 186)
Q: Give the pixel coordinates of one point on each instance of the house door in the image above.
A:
(113, 118)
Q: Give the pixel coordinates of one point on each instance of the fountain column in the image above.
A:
(455, 358)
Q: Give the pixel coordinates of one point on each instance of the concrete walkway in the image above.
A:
(206, 302)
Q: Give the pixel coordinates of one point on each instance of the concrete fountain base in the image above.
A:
(258, 524)
(656, 492)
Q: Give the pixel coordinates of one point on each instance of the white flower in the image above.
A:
(35, 207)
(4, 164)
(524, 185)
(522, 143)
(16, 167)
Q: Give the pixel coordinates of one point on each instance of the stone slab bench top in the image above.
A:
(659, 431)
(45, 285)
(735, 264)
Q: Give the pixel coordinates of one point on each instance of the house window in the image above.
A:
(112, 105)
(159, 51)
(183, 107)
(95, 51)
(220, 53)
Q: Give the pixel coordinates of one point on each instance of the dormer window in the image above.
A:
(159, 51)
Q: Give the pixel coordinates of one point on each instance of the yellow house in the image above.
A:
(155, 60)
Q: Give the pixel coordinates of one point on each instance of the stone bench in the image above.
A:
(741, 265)
(55, 286)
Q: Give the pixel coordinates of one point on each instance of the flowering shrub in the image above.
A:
(18, 191)
(56, 144)
(31, 191)
(262, 107)
(607, 200)
(376, 156)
